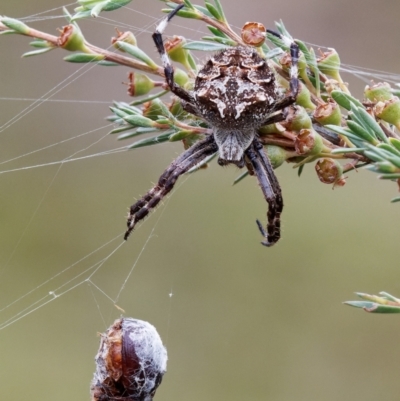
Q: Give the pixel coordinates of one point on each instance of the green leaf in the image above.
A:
(107, 63)
(97, 9)
(184, 13)
(348, 150)
(203, 10)
(385, 155)
(370, 122)
(164, 109)
(361, 132)
(15, 25)
(345, 100)
(360, 304)
(393, 176)
(220, 10)
(81, 15)
(178, 136)
(151, 141)
(395, 143)
(37, 52)
(282, 29)
(188, 4)
(137, 132)
(388, 296)
(41, 44)
(119, 113)
(312, 63)
(240, 177)
(389, 148)
(137, 53)
(120, 129)
(205, 46)
(397, 199)
(373, 307)
(8, 32)
(139, 121)
(224, 41)
(149, 98)
(84, 58)
(216, 32)
(342, 131)
(213, 11)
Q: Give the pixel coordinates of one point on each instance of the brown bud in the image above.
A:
(253, 33)
(130, 362)
(330, 171)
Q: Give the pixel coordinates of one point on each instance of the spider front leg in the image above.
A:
(194, 155)
(271, 190)
(291, 97)
(168, 68)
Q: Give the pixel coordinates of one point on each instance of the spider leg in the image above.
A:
(294, 72)
(271, 190)
(275, 118)
(168, 68)
(194, 155)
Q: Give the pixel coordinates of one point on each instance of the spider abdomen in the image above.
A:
(235, 89)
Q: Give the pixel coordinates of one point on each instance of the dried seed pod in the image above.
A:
(130, 362)
(330, 171)
(253, 33)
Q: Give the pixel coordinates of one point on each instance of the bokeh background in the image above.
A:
(244, 322)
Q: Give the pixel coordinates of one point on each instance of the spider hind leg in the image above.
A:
(194, 155)
(272, 192)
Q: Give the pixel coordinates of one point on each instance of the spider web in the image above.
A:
(96, 267)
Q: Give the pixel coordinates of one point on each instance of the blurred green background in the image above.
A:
(244, 322)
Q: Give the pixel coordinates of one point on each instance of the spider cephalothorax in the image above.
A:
(235, 93)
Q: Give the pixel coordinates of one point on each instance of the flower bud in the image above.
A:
(175, 108)
(180, 77)
(389, 111)
(332, 85)
(71, 39)
(269, 129)
(130, 363)
(176, 51)
(126, 37)
(180, 135)
(328, 113)
(329, 64)
(152, 110)
(378, 92)
(330, 171)
(297, 118)
(304, 97)
(139, 84)
(276, 155)
(253, 34)
(308, 142)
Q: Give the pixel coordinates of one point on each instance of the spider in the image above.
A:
(235, 93)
